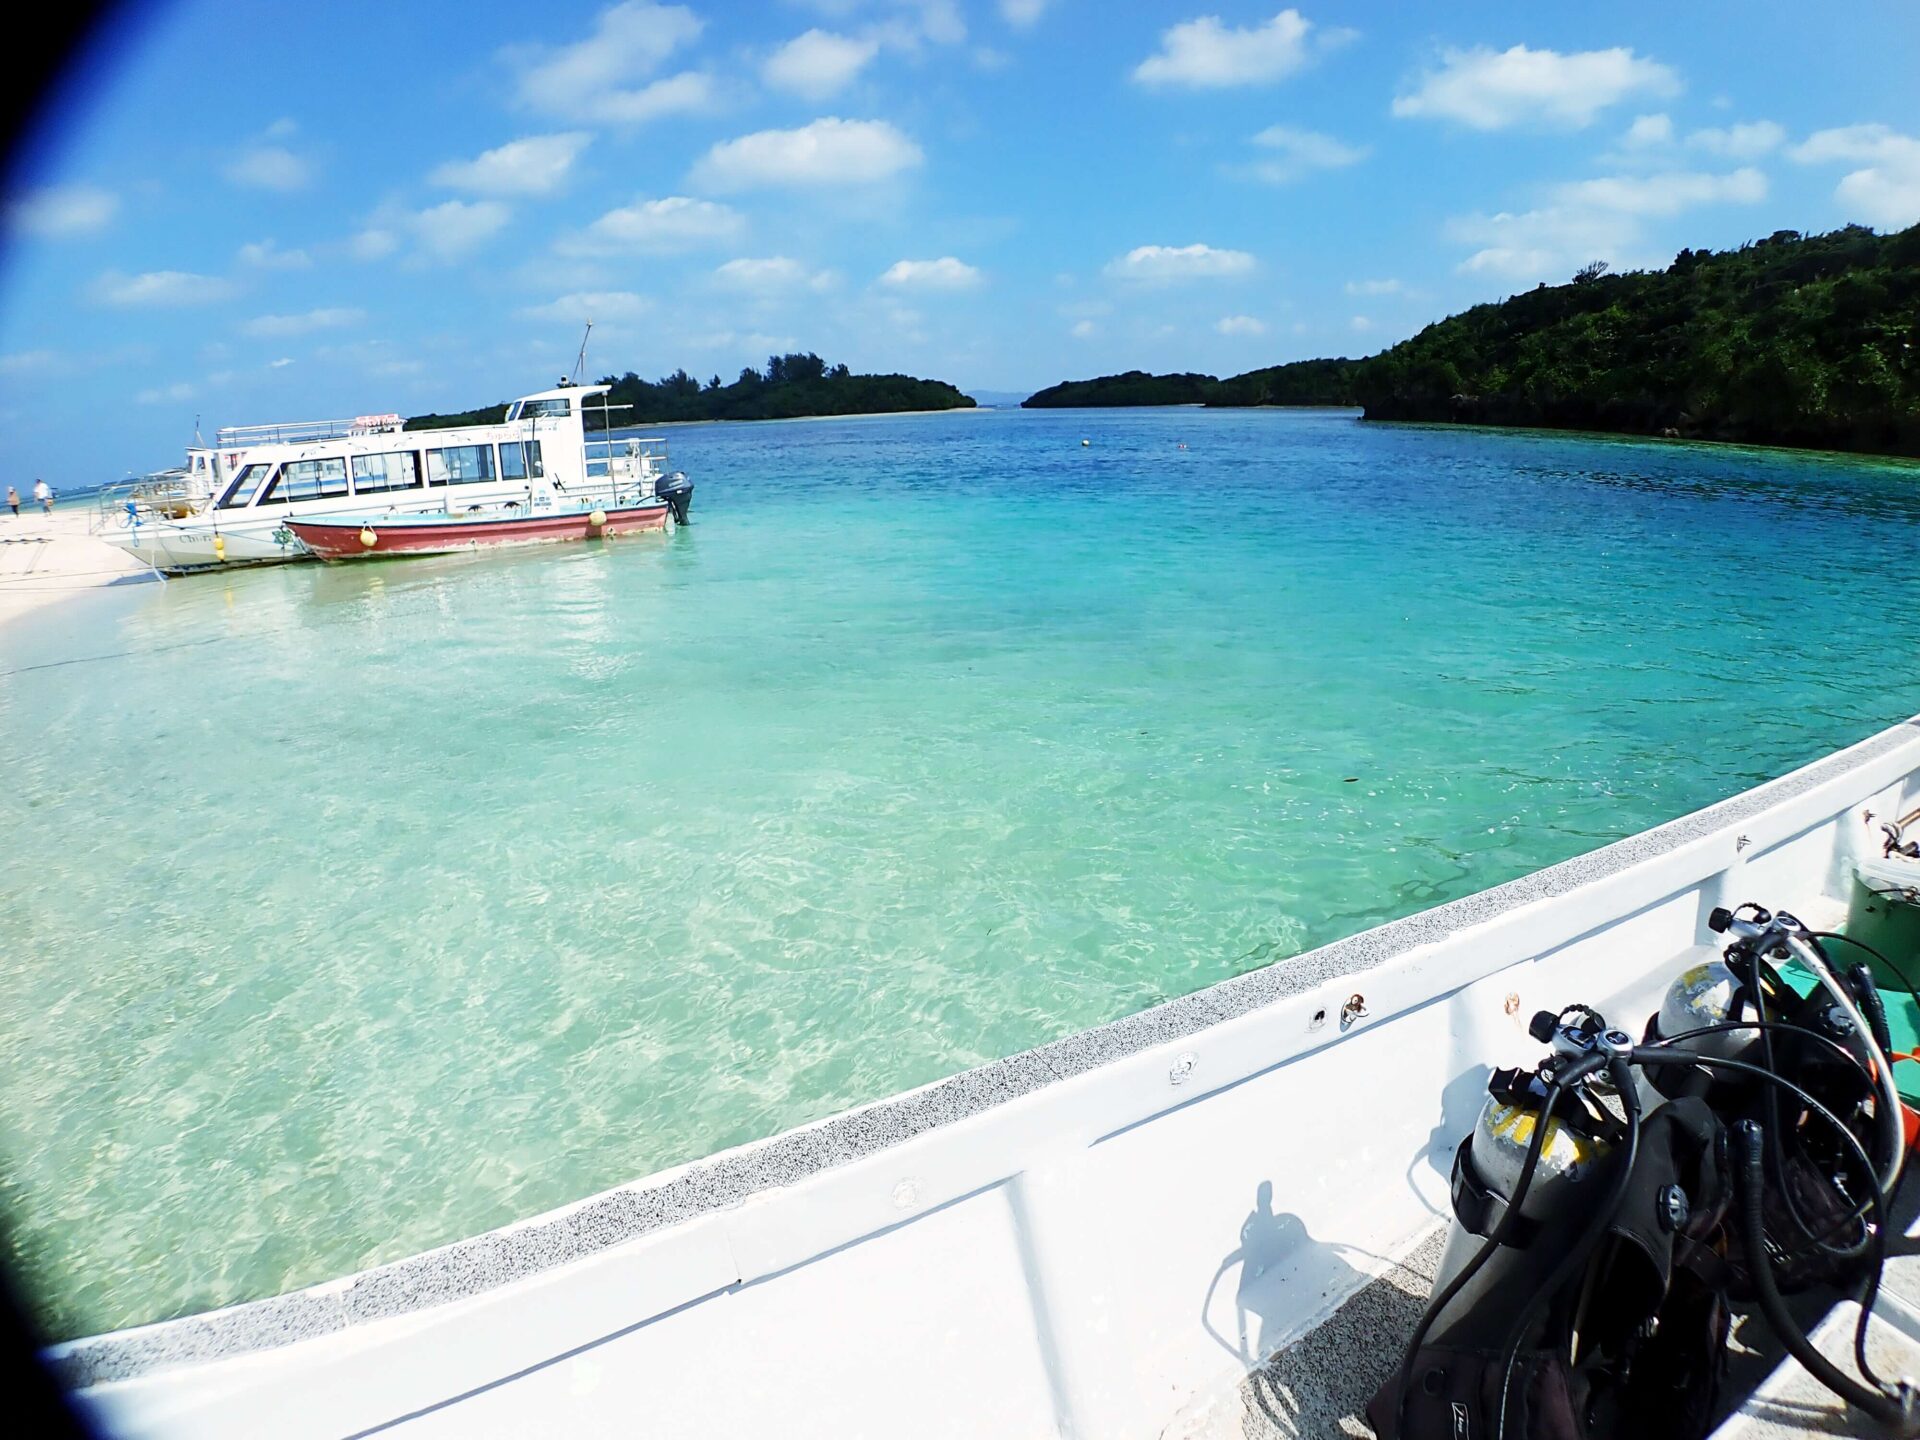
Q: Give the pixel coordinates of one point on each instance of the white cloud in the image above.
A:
(269, 167)
(817, 64)
(1374, 287)
(1298, 152)
(457, 227)
(831, 151)
(1600, 219)
(1084, 330)
(281, 363)
(922, 21)
(535, 165)
(1240, 325)
(1748, 141)
(594, 79)
(946, 273)
(165, 394)
(279, 326)
(267, 255)
(27, 362)
(772, 275)
(673, 223)
(1022, 13)
(160, 288)
(1851, 142)
(684, 94)
(376, 242)
(1360, 324)
(1180, 262)
(61, 212)
(1885, 192)
(1205, 53)
(1649, 132)
(1665, 194)
(612, 306)
(1490, 89)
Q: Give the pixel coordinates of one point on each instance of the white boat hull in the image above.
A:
(189, 545)
(1095, 1239)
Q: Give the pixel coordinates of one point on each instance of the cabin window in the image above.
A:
(460, 465)
(396, 470)
(518, 461)
(540, 409)
(241, 491)
(307, 480)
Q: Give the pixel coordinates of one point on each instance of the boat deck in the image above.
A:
(1320, 1385)
(1218, 1217)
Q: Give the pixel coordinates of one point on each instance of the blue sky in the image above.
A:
(250, 212)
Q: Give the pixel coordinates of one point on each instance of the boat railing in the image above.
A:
(294, 432)
(649, 452)
(167, 494)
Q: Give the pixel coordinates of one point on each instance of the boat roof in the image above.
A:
(561, 392)
(302, 432)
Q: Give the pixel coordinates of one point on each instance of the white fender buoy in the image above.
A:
(367, 537)
(597, 519)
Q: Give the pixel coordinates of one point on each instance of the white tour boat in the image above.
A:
(232, 502)
(1216, 1218)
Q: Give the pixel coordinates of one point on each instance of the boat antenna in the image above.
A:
(581, 362)
(196, 433)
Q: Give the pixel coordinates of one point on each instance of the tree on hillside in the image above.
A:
(1795, 339)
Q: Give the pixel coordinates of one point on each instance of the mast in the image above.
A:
(580, 362)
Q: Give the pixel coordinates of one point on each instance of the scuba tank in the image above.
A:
(1586, 1285)
(1559, 1181)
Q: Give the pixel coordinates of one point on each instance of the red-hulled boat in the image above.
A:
(357, 537)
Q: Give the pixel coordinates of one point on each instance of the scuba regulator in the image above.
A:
(1618, 1201)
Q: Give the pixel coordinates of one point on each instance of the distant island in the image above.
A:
(1304, 382)
(792, 386)
(1800, 340)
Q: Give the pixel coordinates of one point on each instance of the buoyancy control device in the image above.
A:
(1616, 1204)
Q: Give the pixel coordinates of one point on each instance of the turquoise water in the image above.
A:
(344, 912)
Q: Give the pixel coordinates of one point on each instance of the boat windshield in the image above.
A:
(241, 491)
(540, 409)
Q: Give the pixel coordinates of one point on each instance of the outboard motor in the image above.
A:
(677, 490)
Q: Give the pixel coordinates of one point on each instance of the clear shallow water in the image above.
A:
(344, 912)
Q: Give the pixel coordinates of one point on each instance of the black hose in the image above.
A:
(1898, 973)
(1860, 980)
(1887, 1119)
(1665, 1055)
(1897, 1414)
(1775, 1131)
(1822, 1241)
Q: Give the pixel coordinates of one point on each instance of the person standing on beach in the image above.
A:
(13, 499)
(43, 495)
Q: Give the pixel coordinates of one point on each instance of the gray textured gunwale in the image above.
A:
(484, 1262)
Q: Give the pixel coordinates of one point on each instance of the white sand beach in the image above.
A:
(47, 558)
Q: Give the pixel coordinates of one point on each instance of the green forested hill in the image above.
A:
(790, 386)
(1792, 340)
(1797, 339)
(1304, 382)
